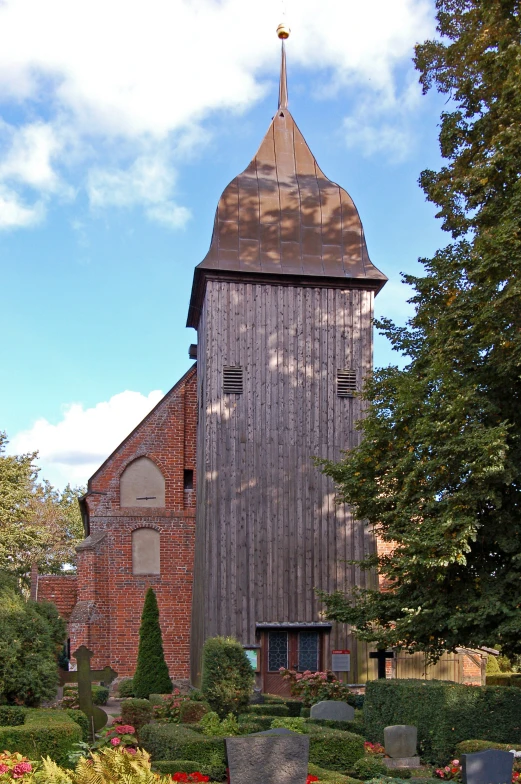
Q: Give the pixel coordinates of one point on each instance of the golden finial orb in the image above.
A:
(283, 31)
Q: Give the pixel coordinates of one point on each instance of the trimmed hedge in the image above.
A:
(12, 715)
(329, 776)
(168, 767)
(136, 712)
(192, 711)
(80, 718)
(355, 726)
(505, 679)
(268, 710)
(249, 724)
(44, 732)
(333, 749)
(472, 746)
(445, 713)
(175, 741)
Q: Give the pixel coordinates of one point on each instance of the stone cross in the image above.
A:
(381, 656)
(84, 677)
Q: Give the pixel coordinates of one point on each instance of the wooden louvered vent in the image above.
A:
(346, 383)
(233, 380)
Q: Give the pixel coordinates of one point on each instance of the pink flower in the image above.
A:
(455, 762)
(130, 750)
(125, 729)
(115, 741)
(19, 770)
(3, 769)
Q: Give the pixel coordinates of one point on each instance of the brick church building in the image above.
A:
(214, 499)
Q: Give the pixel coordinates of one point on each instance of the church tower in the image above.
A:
(283, 308)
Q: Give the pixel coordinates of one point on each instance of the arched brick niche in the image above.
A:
(146, 551)
(142, 484)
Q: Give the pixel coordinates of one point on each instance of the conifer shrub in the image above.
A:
(136, 712)
(151, 671)
(228, 677)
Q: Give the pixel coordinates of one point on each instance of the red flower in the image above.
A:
(311, 778)
(115, 741)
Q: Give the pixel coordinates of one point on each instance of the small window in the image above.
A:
(232, 380)
(277, 651)
(188, 479)
(346, 383)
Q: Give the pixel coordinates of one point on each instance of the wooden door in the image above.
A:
(299, 650)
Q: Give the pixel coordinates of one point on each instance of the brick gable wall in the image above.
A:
(110, 597)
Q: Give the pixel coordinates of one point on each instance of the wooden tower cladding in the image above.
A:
(283, 307)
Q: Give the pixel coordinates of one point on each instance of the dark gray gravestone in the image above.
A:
(487, 767)
(274, 757)
(333, 710)
(400, 740)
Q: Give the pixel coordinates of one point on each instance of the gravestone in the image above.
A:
(334, 710)
(277, 757)
(400, 746)
(487, 767)
(84, 677)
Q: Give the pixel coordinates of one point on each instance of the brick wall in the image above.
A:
(60, 589)
(110, 597)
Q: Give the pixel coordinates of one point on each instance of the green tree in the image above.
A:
(438, 470)
(151, 676)
(38, 524)
(228, 677)
(32, 635)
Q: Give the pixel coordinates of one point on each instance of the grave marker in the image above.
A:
(84, 677)
(487, 767)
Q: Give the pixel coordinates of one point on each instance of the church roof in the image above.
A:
(283, 217)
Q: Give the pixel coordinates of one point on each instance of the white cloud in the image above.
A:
(14, 214)
(127, 75)
(72, 449)
(149, 181)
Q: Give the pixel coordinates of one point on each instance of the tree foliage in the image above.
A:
(438, 470)
(32, 635)
(151, 676)
(38, 524)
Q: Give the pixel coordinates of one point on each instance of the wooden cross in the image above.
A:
(381, 656)
(84, 677)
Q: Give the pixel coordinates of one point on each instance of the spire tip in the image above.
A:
(283, 31)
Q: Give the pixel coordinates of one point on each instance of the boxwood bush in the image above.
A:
(333, 749)
(445, 713)
(168, 767)
(329, 776)
(356, 726)
(228, 677)
(249, 724)
(177, 741)
(269, 710)
(12, 715)
(126, 687)
(505, 679)
(80, 718)
(44, 732)
(472, 746)
(136, 712)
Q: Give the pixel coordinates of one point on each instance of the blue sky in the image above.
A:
(120, 125)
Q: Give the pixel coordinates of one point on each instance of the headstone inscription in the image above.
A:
(334, 710)
(400, 746)
(277, 757)
(487, 767)
(84, 677)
